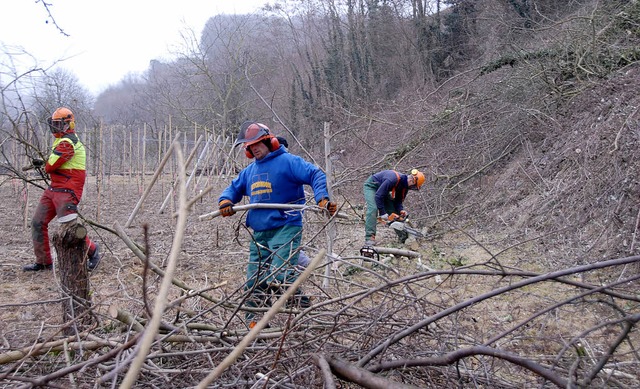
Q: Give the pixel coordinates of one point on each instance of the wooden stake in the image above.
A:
(153, 180)
(189, 159)
(331, 228)
(144, 155)
(130, 155)
(97, 170)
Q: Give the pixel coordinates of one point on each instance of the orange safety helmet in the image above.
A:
(418, 178)
(253, 132)
(61, 120)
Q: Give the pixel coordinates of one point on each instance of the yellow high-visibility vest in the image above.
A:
(79, 159)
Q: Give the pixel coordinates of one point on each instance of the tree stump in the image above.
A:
(71, 249)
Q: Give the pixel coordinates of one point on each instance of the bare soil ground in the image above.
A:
(212, 251)
(120, 270)
(362, 307)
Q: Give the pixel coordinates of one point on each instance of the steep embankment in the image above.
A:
(540, 144)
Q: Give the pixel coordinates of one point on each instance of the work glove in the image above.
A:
(383, 218)
(37, 162)
(226, 208)
(328, 205)
(403, 215)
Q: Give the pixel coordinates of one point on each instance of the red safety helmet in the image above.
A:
(253, 132)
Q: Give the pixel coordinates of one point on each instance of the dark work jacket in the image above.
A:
(392, 185)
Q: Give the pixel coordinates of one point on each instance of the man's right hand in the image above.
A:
(328, 205)
(37, 162)
(226, 208)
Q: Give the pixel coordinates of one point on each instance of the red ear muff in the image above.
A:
(275, 144)
(272, 143)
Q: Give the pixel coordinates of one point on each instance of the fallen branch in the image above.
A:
(251, 336)
(55, 346)
(126, 318)
(401, 334)
(362, 377)
(135, 248)
(486, 166)
(455, 356)
(42, 381)
(152, 327)
(325, 369)
(238, 208)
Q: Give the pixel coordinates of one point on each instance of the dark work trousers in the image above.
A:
(54, 202)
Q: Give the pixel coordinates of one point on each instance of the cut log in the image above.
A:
(125, 317)
(70, 246)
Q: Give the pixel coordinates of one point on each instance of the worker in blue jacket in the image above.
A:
(275, 177)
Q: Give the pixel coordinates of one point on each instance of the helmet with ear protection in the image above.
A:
(61, 120)
(272, 143)
(418, 177)
(252, 133)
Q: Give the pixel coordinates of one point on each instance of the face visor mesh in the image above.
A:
(57, 125)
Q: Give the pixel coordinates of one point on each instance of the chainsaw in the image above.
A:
(401, 225)
(369, 252)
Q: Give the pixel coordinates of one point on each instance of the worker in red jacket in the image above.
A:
(66, 168)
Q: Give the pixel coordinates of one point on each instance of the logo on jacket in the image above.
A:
(260, 187)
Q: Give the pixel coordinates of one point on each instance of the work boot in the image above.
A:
(94, 259)
(37, 267)
(299, 300)
(370, 242)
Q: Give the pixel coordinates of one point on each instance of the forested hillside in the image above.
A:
(522, 112)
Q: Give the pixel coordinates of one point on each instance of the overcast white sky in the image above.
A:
(108, 39)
